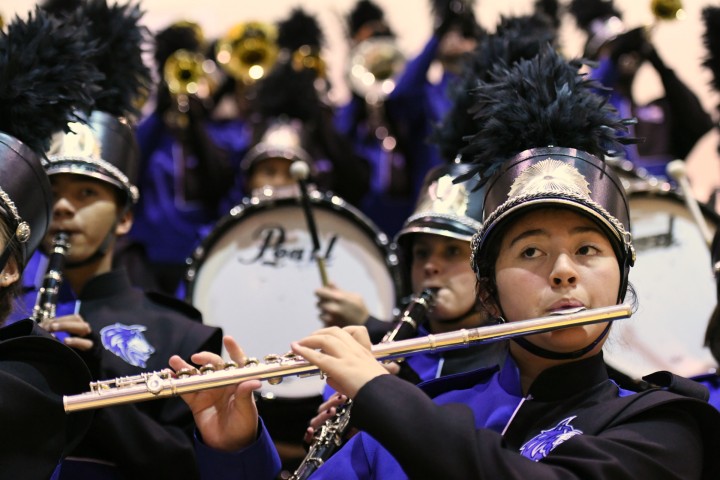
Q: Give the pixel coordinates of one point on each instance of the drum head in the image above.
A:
(674, 283)
(255, 275)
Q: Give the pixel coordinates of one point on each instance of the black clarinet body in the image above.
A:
(47, 296)
(331, 434)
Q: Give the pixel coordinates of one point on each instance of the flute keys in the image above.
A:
(207, 368)
(187, 372)
(272, 358)
(251, 362)
(229, 365)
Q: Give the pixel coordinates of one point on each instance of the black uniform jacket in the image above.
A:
(35, 372)
(655, 434)
(150, 439)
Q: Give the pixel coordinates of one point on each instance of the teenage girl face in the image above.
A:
(551, 261)
(444, 263)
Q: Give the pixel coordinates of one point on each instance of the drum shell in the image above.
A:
(674, 284)
(255, 277)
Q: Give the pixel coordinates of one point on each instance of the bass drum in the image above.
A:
(674, 284)
(255, 274)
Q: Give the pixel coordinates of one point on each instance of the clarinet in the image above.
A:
(47, 296)
(331, 435)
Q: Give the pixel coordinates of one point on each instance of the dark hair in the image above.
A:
(7, 294)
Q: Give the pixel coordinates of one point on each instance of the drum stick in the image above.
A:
(300, 171)
(676, 169)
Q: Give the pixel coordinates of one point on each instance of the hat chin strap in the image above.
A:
(99, 253)
(552, 355)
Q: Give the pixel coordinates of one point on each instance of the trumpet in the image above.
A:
(166, 383)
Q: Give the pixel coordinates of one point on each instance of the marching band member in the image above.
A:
(35, 369)
(555, 239)
(121, 330)
(364, 120)
(671, 125)
(188, 161)
(289, 97)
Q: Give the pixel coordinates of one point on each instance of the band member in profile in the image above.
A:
(35, 369)
(120, 330)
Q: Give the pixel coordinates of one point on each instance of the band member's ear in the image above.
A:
(10, 274)
(124, 223)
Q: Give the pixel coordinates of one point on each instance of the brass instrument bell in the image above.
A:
(667, 9)
(374, 66)
(248, 51)
(189, 73)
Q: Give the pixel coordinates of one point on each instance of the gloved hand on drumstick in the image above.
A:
(340, 308)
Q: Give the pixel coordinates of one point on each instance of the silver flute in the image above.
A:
(166, 383)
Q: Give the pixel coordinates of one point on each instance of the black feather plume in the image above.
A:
(45, 77)
(60, 7)
(178, 36)
(585, 11)
(456, 14)
(288, 92)
(365, 11)
(550, 9)
(298, 30)
(536, 103)
(516, 38)
(711, 40)
(120, 39)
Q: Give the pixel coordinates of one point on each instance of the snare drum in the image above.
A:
(255, 276)
(674, 283)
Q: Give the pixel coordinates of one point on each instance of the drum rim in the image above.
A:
(254, 205)
(677, 197)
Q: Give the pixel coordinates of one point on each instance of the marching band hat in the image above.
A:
(444, 207)
(25, 193)
(102, 144)
(281, 139)
(33, 106)
(543, 136)
(103, 147)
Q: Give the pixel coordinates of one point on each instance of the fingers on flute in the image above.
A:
(234, 350)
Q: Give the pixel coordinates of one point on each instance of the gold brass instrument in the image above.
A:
(190, 74)
(248, 51)
(47, 296)
(166, 383)
(667, 9)
(374, 66)
(307, 57)
(664, 10)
